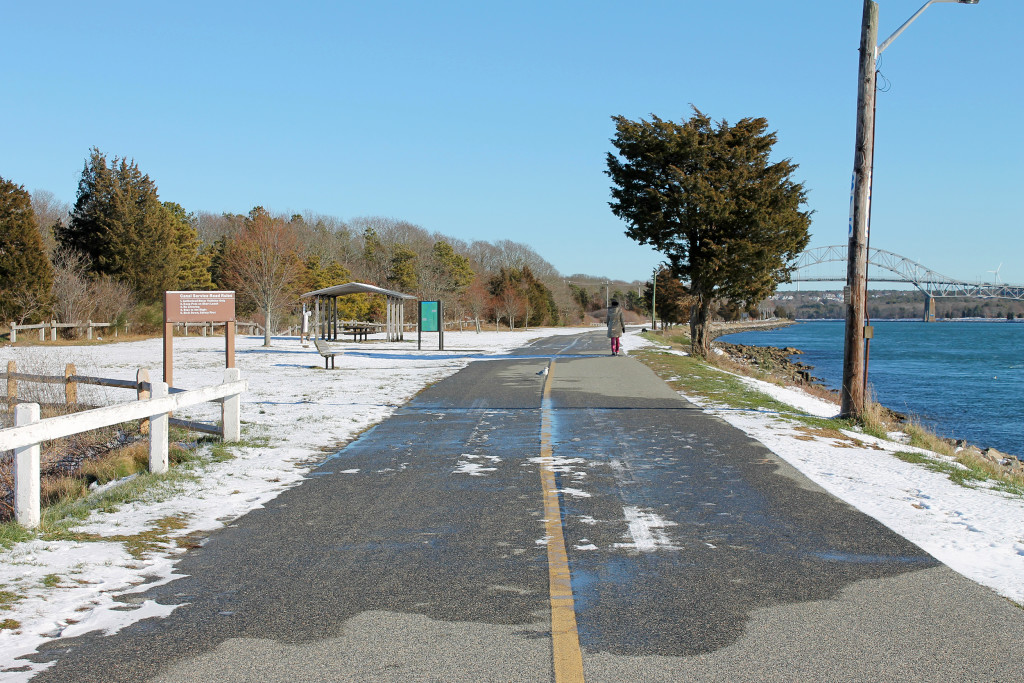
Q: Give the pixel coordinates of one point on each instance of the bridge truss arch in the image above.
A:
(900, 269)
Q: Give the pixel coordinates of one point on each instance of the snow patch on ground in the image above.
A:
(801, 400)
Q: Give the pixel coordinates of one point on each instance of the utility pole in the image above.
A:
(857, 252)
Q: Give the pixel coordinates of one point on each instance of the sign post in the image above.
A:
(431, 320)
(198, 307)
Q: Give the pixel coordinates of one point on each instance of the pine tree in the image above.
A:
(193, 265)
(671, 298)
(375, 260)
(402, 274)
(318, 276)
(26, 275)
(216, 252)
(120, 225)
(449, 272)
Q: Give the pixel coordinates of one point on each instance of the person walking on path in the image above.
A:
(616, 326)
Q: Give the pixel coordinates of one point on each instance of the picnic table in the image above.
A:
(359, 331)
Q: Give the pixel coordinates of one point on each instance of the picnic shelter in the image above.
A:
(327, 325)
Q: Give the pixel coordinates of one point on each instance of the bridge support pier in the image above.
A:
(929, 308)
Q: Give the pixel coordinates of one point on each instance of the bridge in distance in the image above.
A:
(885, 266)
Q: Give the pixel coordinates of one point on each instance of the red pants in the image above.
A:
(615, 344)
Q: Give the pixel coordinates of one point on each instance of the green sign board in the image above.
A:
(429, 316)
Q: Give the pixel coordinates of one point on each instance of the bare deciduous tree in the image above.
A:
(476, 299)
(509, 304)
(111, 299)
(72, 300)
(48, 211)
(263, 266)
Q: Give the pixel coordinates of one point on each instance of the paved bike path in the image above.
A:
(420, 552)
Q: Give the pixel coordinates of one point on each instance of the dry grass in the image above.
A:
(881, 422)
(70, 464)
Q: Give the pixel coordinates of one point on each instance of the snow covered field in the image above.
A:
(69, 588)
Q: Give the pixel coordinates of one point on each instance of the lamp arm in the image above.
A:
(901, 29)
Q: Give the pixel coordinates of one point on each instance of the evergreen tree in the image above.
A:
(215, 252)
(540, 303)
(672, 300)
(707, 197)
(517, 291)
(450, 271)
(120, 225)
(26, 275)
(446, 276)
(375, 260)
(543, 309)
(319, 277)
(402, 274)
(193, 265)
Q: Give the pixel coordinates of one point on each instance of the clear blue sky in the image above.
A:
(491, 120)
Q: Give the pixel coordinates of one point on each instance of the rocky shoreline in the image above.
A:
(773, 361)
(719, 329)
(777, 363)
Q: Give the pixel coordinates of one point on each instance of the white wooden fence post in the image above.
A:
(231, 410)
(53, 330)
(88, 330)
(26, 471)
(158, 433)
(14, 332)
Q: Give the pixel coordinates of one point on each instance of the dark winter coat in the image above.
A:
(616, 322)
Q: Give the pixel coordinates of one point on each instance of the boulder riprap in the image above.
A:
(772, 361)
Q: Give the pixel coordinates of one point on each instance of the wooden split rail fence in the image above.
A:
(154, 405)
(53, 326)
(196, 328)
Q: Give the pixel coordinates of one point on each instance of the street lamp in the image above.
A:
(854, 364)
(908, 22)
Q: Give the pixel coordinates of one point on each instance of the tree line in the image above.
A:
(112, 254)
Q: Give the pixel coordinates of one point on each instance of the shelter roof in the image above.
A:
(356, 288)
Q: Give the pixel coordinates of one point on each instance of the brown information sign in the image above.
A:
(199, 307)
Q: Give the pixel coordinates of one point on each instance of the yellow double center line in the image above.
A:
(565, 640)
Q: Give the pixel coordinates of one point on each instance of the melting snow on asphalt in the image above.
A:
(476, 469)
(646, 531)
(978, 532)
(294, 409)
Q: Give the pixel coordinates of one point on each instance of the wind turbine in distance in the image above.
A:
(995, 273)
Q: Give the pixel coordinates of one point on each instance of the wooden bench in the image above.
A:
(326, 351)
